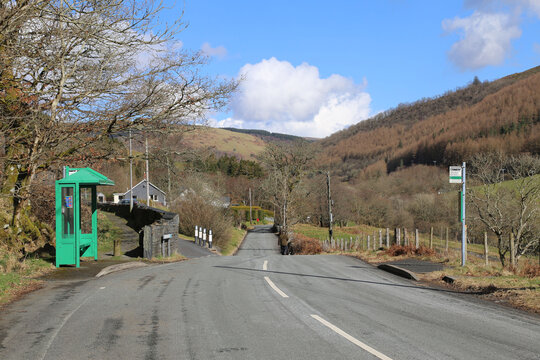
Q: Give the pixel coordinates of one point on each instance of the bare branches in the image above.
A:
(286, 165)
(508, 207)
(76, 72)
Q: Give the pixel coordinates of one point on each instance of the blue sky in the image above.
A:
(311, 68)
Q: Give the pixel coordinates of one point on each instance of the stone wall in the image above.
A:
(152, 224)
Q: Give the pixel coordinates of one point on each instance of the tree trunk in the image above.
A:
(512, 251)
(502, 253)
(20, 195)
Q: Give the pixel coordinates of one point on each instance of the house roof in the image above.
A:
(140, 182)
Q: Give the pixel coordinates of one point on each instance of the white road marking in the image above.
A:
(273, 286)
(265, 265)
(350, 338)
(101, 288)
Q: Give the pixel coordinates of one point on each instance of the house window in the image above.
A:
(154, 197)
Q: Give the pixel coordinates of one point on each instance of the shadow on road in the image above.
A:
(351, 280)
(260, 249)
(262, 229)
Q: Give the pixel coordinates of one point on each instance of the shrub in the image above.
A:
(303, 245)
(43, 203)
(193, 210)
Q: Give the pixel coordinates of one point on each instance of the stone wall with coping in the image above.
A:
(152, 224)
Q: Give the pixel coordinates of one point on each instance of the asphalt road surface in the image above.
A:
(261, 305)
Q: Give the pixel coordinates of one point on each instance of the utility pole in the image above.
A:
(463, 223)
(250, 222)
(147, 177)
(330, 219)
(168, 176)
(130, 175)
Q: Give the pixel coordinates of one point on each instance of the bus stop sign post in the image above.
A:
(457, 176)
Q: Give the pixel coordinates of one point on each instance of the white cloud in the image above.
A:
(486, 35)
(219, 52)
(487, 39)
(534, 6)
(279, 97)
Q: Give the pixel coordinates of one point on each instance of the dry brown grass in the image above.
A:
(529, 269)
(398, 250)
(246, 146)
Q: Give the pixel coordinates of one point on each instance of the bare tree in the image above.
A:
(73, 73)
(286, 166)
(508, 207)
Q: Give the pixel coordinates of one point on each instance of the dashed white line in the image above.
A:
(273, 286)
(351, 339)
(265, 265)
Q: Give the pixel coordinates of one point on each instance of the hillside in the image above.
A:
(222, 141)
(501, 115)
(267, 135)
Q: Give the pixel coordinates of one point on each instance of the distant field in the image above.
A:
(245, 146)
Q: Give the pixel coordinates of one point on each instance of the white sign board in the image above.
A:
(455, 175)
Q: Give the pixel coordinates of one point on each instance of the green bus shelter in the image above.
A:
(76, 215)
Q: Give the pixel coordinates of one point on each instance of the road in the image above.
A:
(261, 305)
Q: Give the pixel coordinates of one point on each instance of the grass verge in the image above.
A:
(19, 276)
(502, 285)
(360, 232)
(175, 257)
(235, 240)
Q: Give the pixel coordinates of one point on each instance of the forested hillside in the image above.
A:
(503, 115)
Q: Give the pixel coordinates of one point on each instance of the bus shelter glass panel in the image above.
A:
(86, 210)
(68, 212)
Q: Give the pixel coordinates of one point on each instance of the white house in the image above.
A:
(139, 193)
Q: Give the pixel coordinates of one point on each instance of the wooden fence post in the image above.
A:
(431, 238)
(405, 237)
